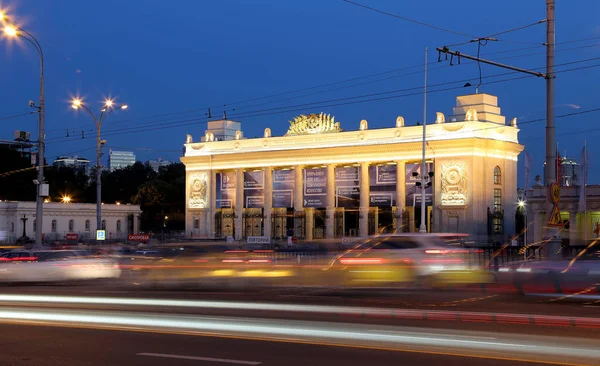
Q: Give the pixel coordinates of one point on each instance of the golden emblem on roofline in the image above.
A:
(313, 124)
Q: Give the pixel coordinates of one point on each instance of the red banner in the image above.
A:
(72, 236)
(138, 237)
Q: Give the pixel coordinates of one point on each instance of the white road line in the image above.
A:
(195, 358)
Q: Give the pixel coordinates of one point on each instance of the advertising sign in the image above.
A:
(315, 187)
(347, 187)
(138, 237)
(72, 236)
(283, 188)
(413, 193)
(382, 183)
(225, 189)
(258, 240)
(254, 183)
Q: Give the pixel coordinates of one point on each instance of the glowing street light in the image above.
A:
(66, 199)
(76, 103)
(107, 108)
(521, 204)
(11, 31)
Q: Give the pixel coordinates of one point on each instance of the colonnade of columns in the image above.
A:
(575, 233)
(306, 212)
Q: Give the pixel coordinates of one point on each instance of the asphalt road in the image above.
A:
(473, 299)
(101, 323)
(32, 345)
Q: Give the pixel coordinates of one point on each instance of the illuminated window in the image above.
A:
(497, 225)
(53, 226)
(118, 226)
(87, 225)
(497, 200)
(497, 175)
(71, 225)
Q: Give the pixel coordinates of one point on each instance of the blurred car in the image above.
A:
(208, 267)
(53, 266)
(582, 271)
(422, 259)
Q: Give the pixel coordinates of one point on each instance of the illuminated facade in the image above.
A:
(320, 182)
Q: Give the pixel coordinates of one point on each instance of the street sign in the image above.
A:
(555, 192)
(100, 234)
(72, 236)
(555, 219)
(138, 237)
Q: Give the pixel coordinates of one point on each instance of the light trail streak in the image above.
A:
(529, 347)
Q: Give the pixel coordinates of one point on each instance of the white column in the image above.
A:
(538, 225)
(573, 228)
(298, 189)
(136, 223)
(363, 222)
(239, 203)
(310, 222)
(330, 221)
(212, 203)
(400, 194)
(268, 201)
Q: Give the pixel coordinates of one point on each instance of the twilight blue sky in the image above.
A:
(170, 60)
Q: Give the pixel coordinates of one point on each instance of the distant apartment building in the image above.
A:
(78, 164)
(156, 164)
(120, 159)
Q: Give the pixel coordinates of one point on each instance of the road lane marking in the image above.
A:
(195, 358)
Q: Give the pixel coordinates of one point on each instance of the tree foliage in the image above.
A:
(16, 175)
(160, 194)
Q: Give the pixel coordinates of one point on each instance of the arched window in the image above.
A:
(103, 224)
(497, 175)
(71, 225)
(53, 226)
(12, 226)
(118, 226)
(87, 225)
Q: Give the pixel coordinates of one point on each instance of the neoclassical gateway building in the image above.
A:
(319, 181)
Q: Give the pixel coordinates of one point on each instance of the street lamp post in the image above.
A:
(108, 108)
(12, 30)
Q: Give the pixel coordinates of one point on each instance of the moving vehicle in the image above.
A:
(54, 266)
(557, 276)
(424, 259)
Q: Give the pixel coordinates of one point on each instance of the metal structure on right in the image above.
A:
(552, 246)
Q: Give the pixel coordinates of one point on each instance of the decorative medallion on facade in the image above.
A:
(313, 124)
(198, 190)
(454, 184)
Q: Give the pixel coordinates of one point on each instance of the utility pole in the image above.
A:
(552, 247)
(423, 226)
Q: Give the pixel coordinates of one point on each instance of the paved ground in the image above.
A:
(474, 299)
(32, 345)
